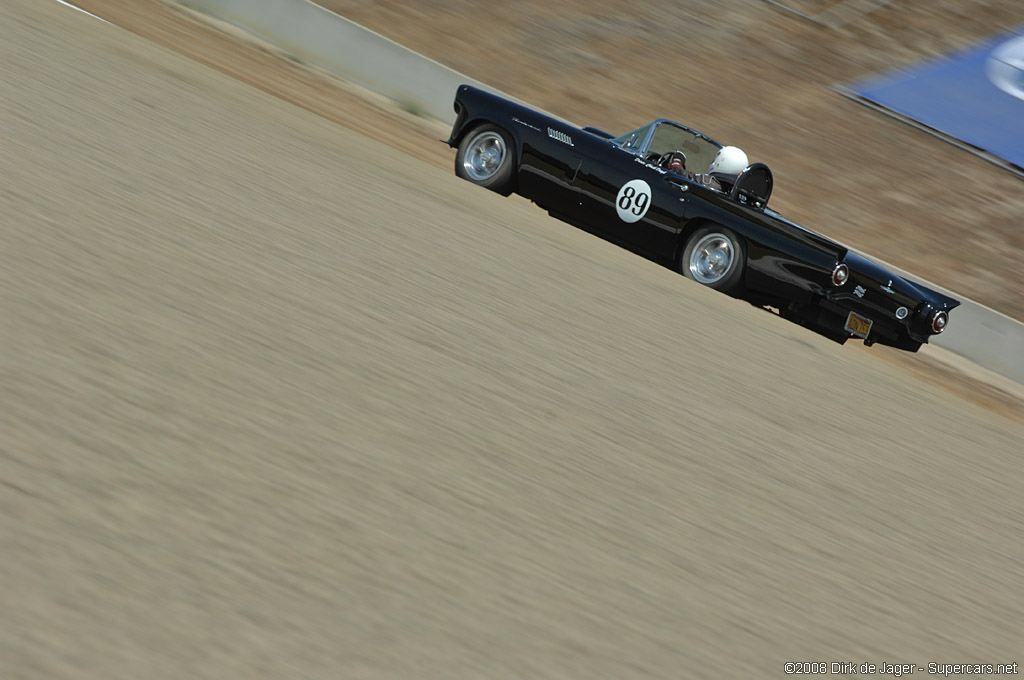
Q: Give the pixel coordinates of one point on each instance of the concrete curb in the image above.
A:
(978, 333)
(310, 32)
(419, 84)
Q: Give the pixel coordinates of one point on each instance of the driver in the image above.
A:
(730, 161)
(726, 166)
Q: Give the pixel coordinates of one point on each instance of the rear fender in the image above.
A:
(939, 300)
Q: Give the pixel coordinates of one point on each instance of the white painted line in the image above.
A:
(68, 4)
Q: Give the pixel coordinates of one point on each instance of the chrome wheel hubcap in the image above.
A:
(711, 258)
(484, 156)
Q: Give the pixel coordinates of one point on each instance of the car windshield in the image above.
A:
(669, 136)
(631, 141)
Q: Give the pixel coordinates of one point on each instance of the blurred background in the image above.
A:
(281, 397)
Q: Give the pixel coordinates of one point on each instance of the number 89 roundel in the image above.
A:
(633, 200)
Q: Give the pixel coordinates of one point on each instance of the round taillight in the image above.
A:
(840, 274)
(939, 322)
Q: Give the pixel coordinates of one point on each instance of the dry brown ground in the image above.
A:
(750, 74)
(281, 401)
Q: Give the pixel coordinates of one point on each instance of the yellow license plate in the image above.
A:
(858, 325)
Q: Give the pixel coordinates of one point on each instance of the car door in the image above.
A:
(633, 201)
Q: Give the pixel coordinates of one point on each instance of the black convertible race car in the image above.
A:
(661, 192)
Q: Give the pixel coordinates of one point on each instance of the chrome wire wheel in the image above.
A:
(711, 258)
(485, 154)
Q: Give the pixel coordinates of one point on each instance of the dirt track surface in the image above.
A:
(281, 401)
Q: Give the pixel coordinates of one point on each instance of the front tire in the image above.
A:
(486, 157)
(715, 257)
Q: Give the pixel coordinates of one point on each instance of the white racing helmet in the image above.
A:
(729, 160)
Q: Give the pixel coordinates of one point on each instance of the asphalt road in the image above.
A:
(277, 400)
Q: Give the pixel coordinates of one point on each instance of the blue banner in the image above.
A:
(976, 96)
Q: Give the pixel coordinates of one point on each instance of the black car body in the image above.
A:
(724, 235)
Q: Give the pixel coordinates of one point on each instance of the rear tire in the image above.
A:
(486, 157)
(715, 257)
